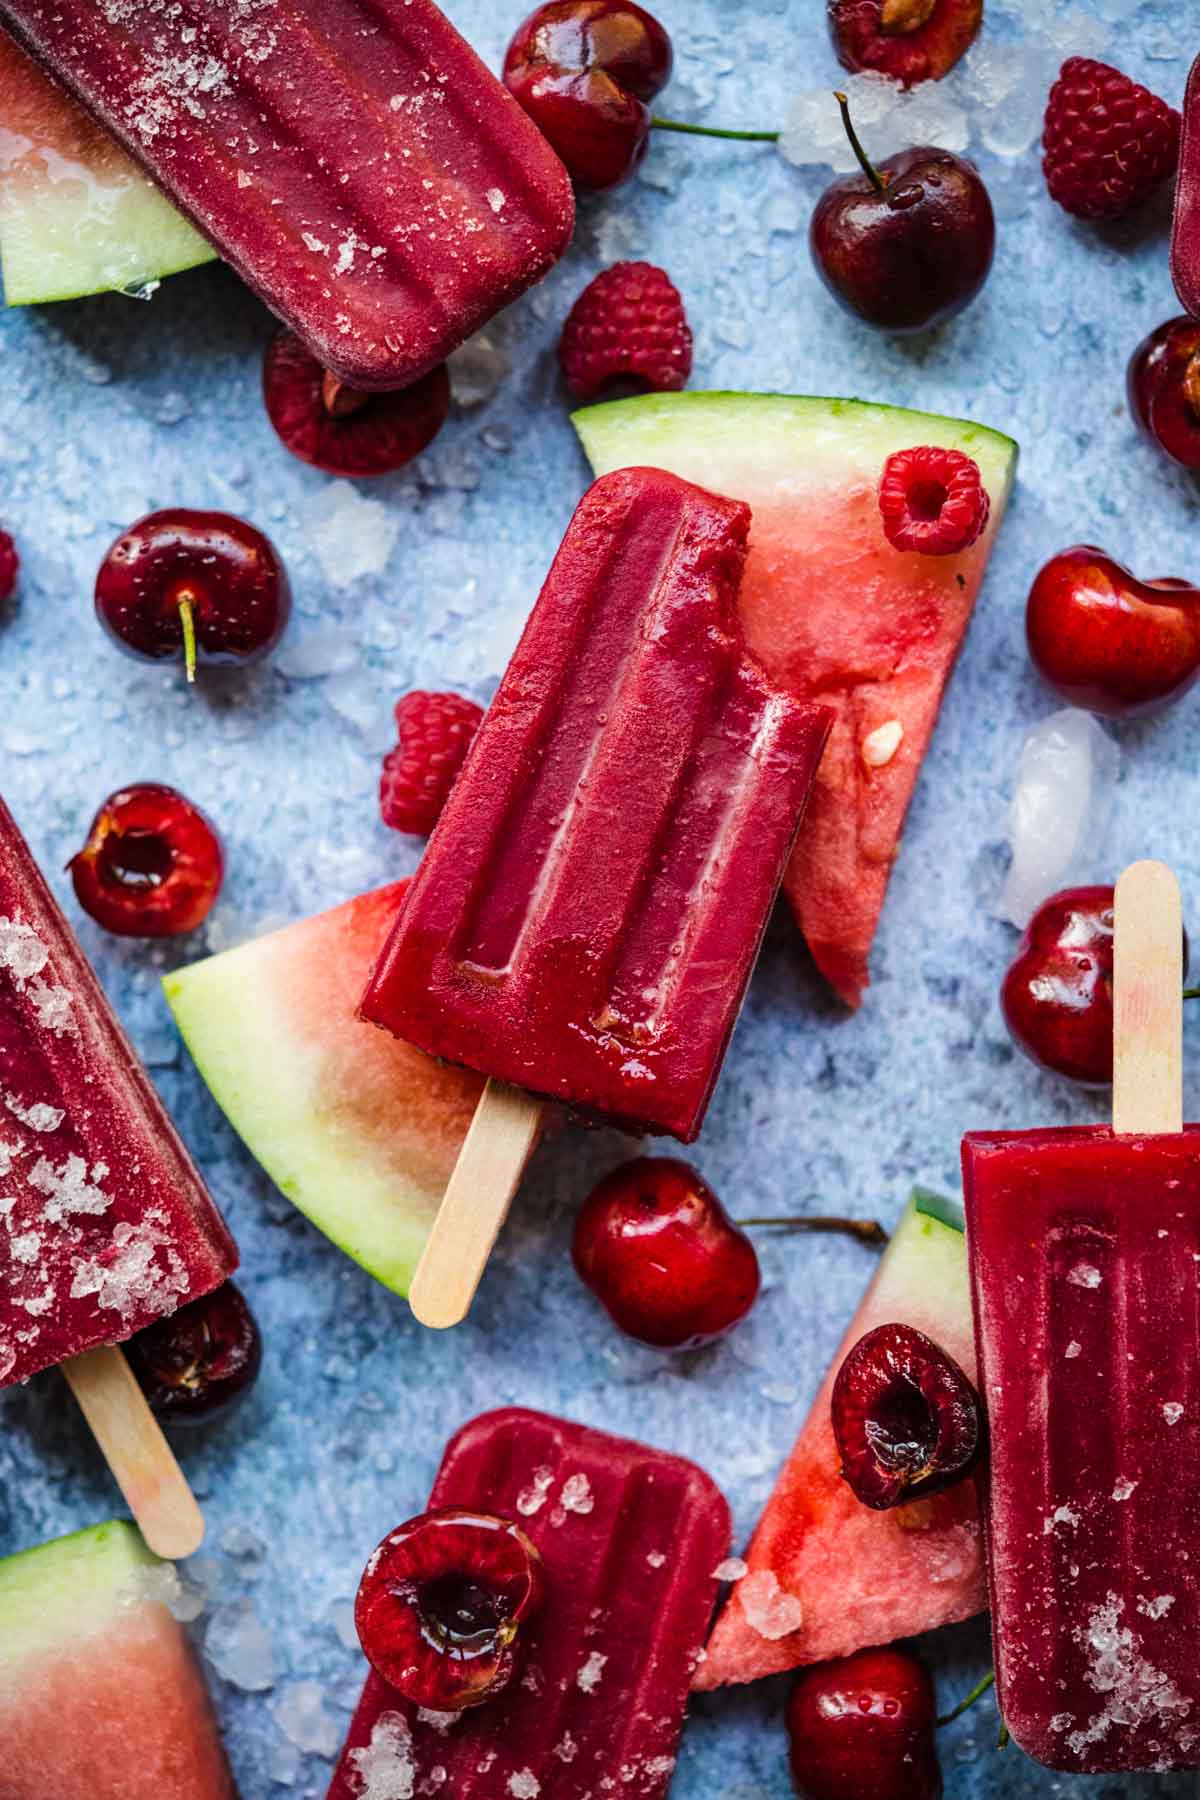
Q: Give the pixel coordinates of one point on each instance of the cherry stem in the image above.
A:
(188, 621)
(339, 399)
(868, 167)
(745, 137)
(867, 1231)
(1191, 993)
(899, 17)
(976, 1693)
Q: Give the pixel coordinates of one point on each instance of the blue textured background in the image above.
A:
(109, 408)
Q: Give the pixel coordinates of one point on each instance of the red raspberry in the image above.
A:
(932, 500)
(628, 322)
(1107, 142)
(435, 734)
(10, 563)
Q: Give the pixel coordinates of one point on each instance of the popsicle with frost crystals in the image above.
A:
(631, 1539)
(357, 163)
(105, 1225)
(100, 1696)
(1085, 1263)
(588, 912)
(1185, 234)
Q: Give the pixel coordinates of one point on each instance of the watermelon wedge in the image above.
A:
(358, 1129)
(831, 610)
(76, 216)
(827, 1575)
(100, 1697)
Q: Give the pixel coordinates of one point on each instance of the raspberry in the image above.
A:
(10, 563)
(435, 734)
(1107, 142)
(932, 500)
(628, 322)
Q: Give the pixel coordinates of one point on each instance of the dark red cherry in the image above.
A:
(202, 586)
(585, 71)
(905, 244)
(442, 1603)
(906, 1419)
(659, 1251)
(1104, 640)
(907, 40)
(199, 1361)
(341, 429)
(152, 865)
(1163, 385)
(1057, 995)
(862, 1728)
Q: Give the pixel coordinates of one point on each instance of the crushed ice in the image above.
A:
(1136, 1694)
(385, 1766)
(768, 1609)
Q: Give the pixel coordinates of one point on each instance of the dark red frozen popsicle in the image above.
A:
(629, 1539)
(354, 160)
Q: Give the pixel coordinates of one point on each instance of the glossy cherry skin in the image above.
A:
(1057, 995)
(1163, 385)
(227, 572)
(906, 1419)
(342, 430)
(862, 1728)
(1104, 640)
(907, 40)
(661, 1254)
(152, 865)
(199, 1361)
(586, 71)
(913, 255)
(442, 1603)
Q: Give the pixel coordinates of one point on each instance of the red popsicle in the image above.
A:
(630, 1539)
(1185, 235)
(1085, 1263)
(354, 160)
(105, 1224)
(586, 918)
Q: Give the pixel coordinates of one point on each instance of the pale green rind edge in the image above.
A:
(337, 1191)
(54, 1594)
(146, 241)
(606, 430)
(937, 1206)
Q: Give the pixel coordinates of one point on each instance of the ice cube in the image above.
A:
(308, 655)
(237, 1646)
(1066, 784)
(351, 536)
(478, 369)
(300, 1715)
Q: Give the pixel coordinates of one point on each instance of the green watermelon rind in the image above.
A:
(62, 1591)
(937, 1206)
(635, 428)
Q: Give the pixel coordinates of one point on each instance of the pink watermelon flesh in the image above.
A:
(828, 617)
(831, 610)
(120, 1715)
(852, 1577)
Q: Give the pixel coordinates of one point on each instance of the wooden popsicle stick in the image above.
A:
(142, 1461)
(1148, 1001)
(502, 1137)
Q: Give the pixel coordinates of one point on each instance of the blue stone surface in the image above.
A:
(109, 408)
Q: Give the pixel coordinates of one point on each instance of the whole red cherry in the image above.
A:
(1163, 385)
(907, 40)
(585, 71)
(1057, 995)
(442, 1604)
(661, 1254)
(202, 585)
(907, 244)
(1104, 640)
(862, 1728)
(152, 865)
